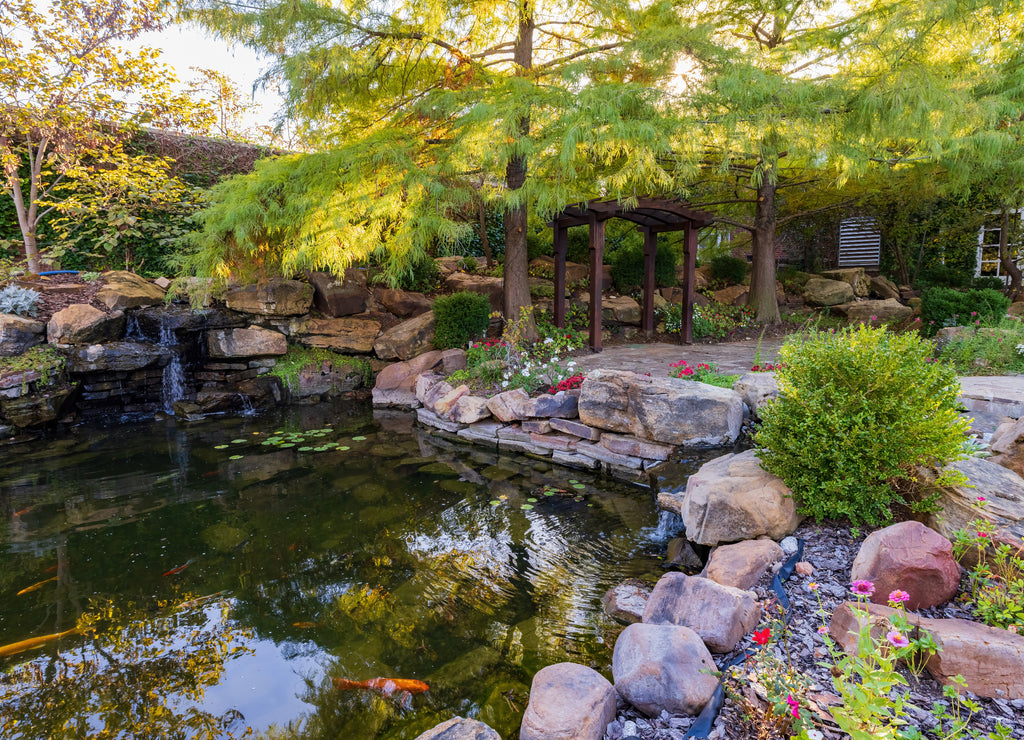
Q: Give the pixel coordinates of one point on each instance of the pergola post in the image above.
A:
(690, 262)
(650, 250)
(596, 264)
(561, 247)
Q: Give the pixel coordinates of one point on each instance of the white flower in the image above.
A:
(504, 384)
(554, 358)
(549, 340)
(572, 363)
(815, 735)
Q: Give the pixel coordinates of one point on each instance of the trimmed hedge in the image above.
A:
(459, 318)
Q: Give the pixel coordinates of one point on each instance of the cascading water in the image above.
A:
(669, 523)
(174, 383)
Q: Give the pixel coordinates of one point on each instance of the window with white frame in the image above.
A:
(988, 244)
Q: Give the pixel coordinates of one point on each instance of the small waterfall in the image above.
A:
(133, 332)
(174, 382)
(669, 523)
(248, 409)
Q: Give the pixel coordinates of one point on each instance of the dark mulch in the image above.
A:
(57, 292)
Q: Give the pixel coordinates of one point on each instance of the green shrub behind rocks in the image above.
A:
(460, 317)
(949, 307)
(728, 270)
(858, 410)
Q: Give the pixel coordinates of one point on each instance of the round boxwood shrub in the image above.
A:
(858, 410)
(728, 270)
(949, 307)
(460, 317)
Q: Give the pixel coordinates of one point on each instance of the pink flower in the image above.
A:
(862, 588)
(813, 586)
(897, 639)
(794, 706)
(822, 630)
(983, 534)
(981, 499)
(898, 597)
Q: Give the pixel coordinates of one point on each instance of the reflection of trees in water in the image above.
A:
(130, 676)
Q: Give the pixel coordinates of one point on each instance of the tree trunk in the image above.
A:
(485, 243)
(516, 278)
(1006, 259)
(26, 219)
(761, 298)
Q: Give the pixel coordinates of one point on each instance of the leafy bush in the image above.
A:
(702, 372)
(17, 300)
(460, 317)
(857, 411)
(944, 276)
(990, 282)
(948, 307)
(422, 276)
(988, 349)
(578, 248)
(997, 577)
(728, 270)
(628, 267)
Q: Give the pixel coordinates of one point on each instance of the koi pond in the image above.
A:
(213, 577)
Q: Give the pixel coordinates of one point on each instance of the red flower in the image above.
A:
(761, 637)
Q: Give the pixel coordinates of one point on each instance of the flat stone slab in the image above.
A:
(425, 416)
(1002, 395)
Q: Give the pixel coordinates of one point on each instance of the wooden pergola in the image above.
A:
(653, 216)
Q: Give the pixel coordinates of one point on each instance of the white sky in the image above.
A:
(185, 46)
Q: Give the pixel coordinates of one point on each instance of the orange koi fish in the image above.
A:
(35, 586)
(33, 642)
(175, 571)
(386, 686)
(305, 625)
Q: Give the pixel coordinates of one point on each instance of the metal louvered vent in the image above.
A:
(860, 243)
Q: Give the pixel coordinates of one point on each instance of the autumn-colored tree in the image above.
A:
(71, 97)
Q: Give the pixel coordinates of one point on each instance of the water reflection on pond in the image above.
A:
(220, 574)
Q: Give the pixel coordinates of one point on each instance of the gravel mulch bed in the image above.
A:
(830, 550)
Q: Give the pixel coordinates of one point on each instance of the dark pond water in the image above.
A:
(217, 580)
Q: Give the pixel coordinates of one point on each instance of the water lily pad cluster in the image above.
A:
(310, 440)
(576, 494)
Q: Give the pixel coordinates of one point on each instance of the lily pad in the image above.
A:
(274, 440)
(532, 500)
(236, 457)
(286, 444)
(526, 507)
(305, 449)
(238, 441)
(321, 448)
(495, 502)
(358, 439)
(579, 486)
(220, 447)
(343, 448)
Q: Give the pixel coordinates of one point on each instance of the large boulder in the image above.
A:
(732, 295)
(990, 659)
(396, 384)
(470, 410)
(568, 702)
(458, 728)
(254, 341)
(757, 389)
(910, 557)
(339, 296)
(1007, 444)
(510, 405)
(562, 405)
(620, 309)
(116, 356)
(721, 615)
(669, 410)
(875, 312)
(732, 498)
(19, 334)
(339, 335)
(271, 298)
(741, 565)
(80, 323)
(406, 340)
(662, 667)
(1002, 493)
(492, 287)
(37, 408)
(404, 303)
(123, 290)
(884, 288)
(822, 292)
(327, 378)
(854, 276)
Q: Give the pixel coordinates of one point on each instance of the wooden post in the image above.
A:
(690, 262)
(650, 250)
(561, 247)
(596, 263)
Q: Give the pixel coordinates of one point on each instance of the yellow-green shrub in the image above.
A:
(857, 411)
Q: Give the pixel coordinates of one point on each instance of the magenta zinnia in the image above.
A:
(862, 588)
